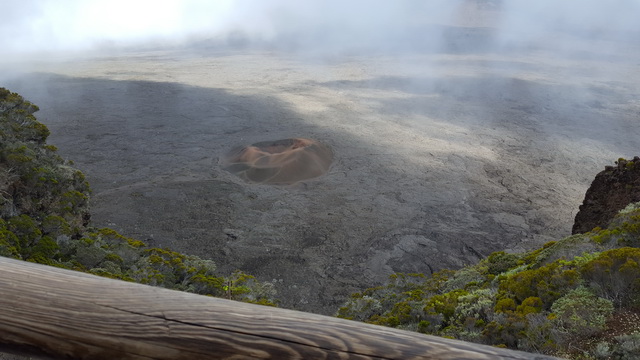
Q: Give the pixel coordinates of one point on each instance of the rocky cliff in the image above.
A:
(611, 191)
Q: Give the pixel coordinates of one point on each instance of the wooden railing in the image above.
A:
(57, 313)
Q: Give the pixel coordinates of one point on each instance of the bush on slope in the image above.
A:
(567, 298)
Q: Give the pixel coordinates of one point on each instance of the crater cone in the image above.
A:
(279, 162)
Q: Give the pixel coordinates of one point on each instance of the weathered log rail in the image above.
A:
(64, 314)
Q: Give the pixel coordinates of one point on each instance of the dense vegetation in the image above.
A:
(578, 297)
(44, 219)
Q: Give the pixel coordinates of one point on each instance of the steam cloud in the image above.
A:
(34, 26)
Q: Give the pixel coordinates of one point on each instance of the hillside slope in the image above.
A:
(44, 218)
(578, 297)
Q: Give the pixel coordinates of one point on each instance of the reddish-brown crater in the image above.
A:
(279, 162)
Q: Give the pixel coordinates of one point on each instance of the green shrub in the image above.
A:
(602, 350)
(444, 304)
(548, 282)
(9, 243)
(26, 229)
(478, 304)
(537, 336)
(505, 305)
(46, 247)
(499, 262)
(633, 207)
(614, 275)
(55, 226)
(465, 278)
(581, 313)
(628, 346)
(361, 308)
(530, 305)
(504, 330)
(533, 256)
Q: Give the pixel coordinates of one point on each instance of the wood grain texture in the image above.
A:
(71, 315)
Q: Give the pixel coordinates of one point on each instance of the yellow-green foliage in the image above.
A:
(106, 253)
(35, 182)
(624, 230)
(530, 305)
(535, 256)
(55, 226)
(548, 282)
(543, 300)
(505, 305)
(615, 275)
(112, 237)
(402, 299)
(504, 329)
(630, 208)
(444, 304)
(499, 262)
(25, 228)
(477, 305)
(581, 313)
(9, 242)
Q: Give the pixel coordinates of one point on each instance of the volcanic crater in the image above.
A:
(281, 162)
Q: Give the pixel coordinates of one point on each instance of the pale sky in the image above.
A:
(32, 25)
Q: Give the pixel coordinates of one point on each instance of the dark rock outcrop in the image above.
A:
(611, 191)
